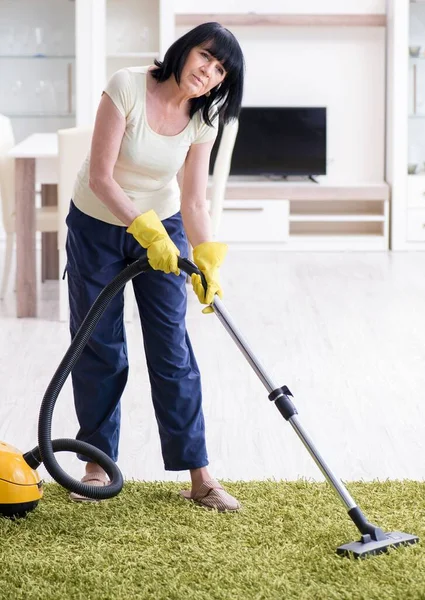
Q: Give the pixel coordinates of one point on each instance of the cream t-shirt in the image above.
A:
(148, 163)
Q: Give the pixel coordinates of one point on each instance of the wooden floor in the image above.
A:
(344, 331)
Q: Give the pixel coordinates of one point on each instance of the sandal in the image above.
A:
(97, 479)
(213, 496)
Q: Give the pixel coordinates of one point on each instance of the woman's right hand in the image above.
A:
(162, 253)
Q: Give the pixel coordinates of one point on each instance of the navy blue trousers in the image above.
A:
(96, 253)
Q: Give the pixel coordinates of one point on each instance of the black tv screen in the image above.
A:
(278, 141)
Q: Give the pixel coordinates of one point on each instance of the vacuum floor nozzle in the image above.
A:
(367, 546)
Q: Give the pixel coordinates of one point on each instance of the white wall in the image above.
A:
(342, 69)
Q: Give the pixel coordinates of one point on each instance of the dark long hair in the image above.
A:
(225, 98)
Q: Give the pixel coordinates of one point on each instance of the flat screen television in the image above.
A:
(279, 142)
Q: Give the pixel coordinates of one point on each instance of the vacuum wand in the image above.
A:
(225, 318)
(373, 539)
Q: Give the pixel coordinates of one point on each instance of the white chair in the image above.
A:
(74, 144)
(221, 173)
(219, 177)
(46, 217)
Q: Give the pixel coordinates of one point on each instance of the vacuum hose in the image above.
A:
(44, 452)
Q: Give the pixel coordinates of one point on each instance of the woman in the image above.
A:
(151, 122)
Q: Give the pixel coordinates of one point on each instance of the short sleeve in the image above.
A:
(206, 133)
(120, 89)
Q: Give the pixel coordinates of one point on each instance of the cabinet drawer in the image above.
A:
(416, 191)
(416, 225)
(254, 221)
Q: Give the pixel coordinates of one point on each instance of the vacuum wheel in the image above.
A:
(17, 510)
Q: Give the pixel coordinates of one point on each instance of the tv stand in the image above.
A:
(263, 214)
(301, 178)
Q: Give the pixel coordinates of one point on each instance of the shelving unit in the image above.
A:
(134, 55)
(132, 33)
(406, 123)
(40, 115)
(37, 66)
(80, 44)
(282, 20)
(37, 57)
(306, 216)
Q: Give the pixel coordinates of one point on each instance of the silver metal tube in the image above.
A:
(334, 481)
(224, 316)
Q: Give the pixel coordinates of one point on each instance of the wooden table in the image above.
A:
(36, 159)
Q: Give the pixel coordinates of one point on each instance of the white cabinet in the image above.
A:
(416, 191)
(406, 123)
(37, 65)
(416, 225)
(254, 221)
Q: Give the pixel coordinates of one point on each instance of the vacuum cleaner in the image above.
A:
(21, 487)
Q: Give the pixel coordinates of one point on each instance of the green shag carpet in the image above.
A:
(150, 543)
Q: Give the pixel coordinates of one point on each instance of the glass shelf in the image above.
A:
(134, 55)
(37, 56)
(39, 115)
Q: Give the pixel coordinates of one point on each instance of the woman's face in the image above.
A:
(201, 72)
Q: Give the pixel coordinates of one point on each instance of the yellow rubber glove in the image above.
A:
(208, 257)
(151, 234)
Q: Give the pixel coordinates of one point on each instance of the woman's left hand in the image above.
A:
(208, 257)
